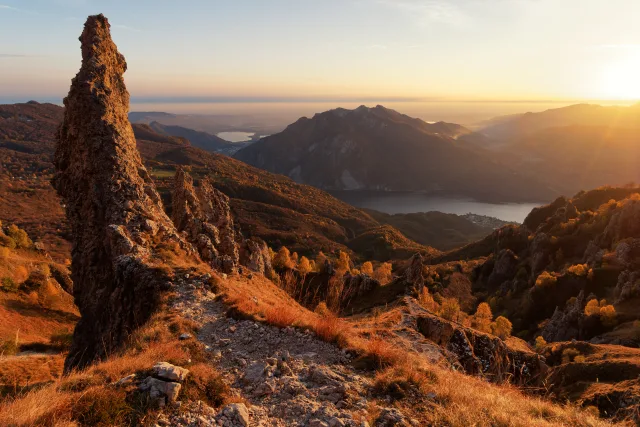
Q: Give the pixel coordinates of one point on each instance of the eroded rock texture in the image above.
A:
(115, 213)
(204, 215)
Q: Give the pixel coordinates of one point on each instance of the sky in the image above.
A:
(323, 50)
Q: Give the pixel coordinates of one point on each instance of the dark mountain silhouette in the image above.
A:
(198, 139)
(381, 149)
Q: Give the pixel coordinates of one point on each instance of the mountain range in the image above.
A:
(381, 149)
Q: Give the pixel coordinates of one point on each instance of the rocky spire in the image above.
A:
(115, 213)
(216, 211)
(188, 217)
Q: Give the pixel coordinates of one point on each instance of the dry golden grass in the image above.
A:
(88, 397)
(460, 400)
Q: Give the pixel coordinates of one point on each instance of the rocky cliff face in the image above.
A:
(115, 213)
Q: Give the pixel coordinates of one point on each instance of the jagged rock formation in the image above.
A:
(216, 211)
(254, 254)
(188, 217)
(482, 354)
(115, 213)
(205, 216)
(566, 324)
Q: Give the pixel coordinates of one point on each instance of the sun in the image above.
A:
(621, 79)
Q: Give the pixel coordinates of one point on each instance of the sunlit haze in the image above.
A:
(336, 51)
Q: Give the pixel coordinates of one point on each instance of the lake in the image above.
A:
(396, 202)
(236, 136)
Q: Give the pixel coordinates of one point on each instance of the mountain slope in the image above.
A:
(198, 139)
(519, 125)
(266, 205)
(381, 149)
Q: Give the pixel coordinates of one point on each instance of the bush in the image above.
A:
(304, 266)
(19, 236)
(579, 270)
(545, 279)
(502, 327)
(343, 263)
(7, 241)
(383, 273)
(367, 268)
(541, 343)
(282, 260)
(8, 285)
(606, 312)
(450, 309)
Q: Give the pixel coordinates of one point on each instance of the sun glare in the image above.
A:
(622, 78)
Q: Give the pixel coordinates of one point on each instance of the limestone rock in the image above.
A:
(167, 371)
(159, 389)
(234, 415)
(114, 211)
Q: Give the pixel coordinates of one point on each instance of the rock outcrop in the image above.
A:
(115, 213)
(478, 353)
(216, 211)
(188, 217)
(204, 215)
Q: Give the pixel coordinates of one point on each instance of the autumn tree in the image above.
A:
(343, 263)
(483, 317)
(450, 309)
(304, 266)
(282, 260)
(383, 273)
(502, 327)
(367, 268)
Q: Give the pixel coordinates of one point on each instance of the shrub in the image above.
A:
(282, 260)
(9, 285)
(592, 308)
(608, 315)
(483, 317)
(545, 279)
(343, 263)
(304, 266)
(541, 343)
(4, 252)
(502, 327)
(579, 270)
(19, 236)
(383, 273)
(450, 309)
(7, 241)
(367, 268)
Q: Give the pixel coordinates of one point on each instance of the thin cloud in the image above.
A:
(11, 55)
(4, 6)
